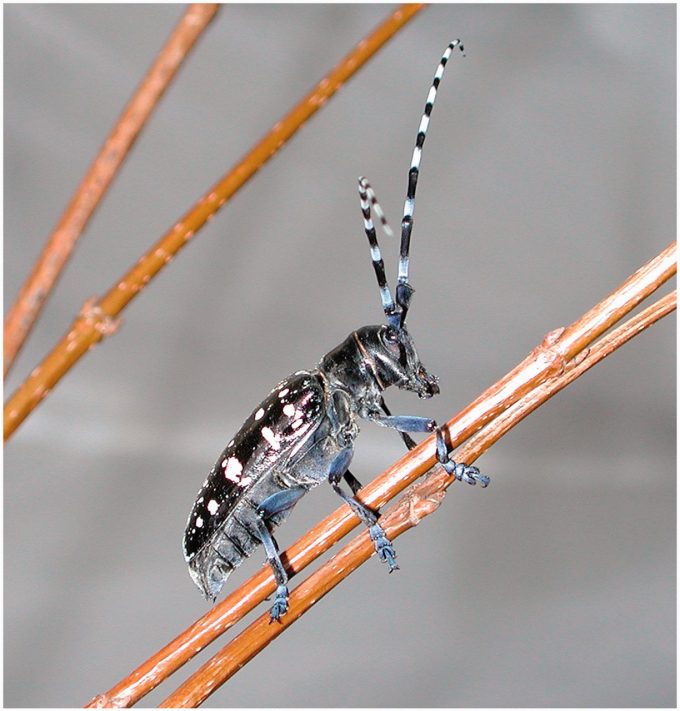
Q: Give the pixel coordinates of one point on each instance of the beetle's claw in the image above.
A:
(383, 547)
(468, 474)
(280, 606)
(462, 472)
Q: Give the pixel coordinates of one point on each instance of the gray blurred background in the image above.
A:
(548, 177)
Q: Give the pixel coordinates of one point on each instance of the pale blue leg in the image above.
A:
(383, 547)
(412, 423)
(462, 472)
(276, 503)
(408, 441)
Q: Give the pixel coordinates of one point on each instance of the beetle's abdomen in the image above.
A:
(221, 529)
(213, 563)
(234, 541)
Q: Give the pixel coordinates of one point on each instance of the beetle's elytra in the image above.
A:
(303, 432)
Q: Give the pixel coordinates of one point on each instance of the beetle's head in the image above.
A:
(389, 355)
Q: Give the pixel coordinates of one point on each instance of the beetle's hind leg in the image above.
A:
(280, 606)
(276, 503)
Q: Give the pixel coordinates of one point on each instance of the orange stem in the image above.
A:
(97, 318)
(61, 243)
(421, 500)
(545, 361)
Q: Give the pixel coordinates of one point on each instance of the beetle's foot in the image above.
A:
(462, 472)
(468, 474)
(383, 547)
(280, 606)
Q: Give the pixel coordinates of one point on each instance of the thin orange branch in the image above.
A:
(546, 360)
(98, 318)
(422, 499)
(61, 242)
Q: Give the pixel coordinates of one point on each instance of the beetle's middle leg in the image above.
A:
(339, 470)
(277, 503)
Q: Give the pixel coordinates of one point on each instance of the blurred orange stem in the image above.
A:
(98, 317)
(57, 250)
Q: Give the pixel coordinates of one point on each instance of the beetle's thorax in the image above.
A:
(347, 368)
(374, 358)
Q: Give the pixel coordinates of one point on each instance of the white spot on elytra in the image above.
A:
(296, 424)
(284, 392)
(199, 522)
(271, 438)
(232, 469)
(212, 506)
(200, 501)
(259, 414)
(289, 410)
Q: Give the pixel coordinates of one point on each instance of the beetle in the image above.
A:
(303, 432)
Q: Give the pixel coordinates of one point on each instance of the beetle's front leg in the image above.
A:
(462, 472)
(413, 423)
(408, 441)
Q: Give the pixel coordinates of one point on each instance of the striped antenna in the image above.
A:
(375, 206)
(369, 200)
(404, 289)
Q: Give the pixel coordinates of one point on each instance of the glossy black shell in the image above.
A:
(274, 433)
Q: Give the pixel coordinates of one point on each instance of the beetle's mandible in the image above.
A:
(303, 433)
